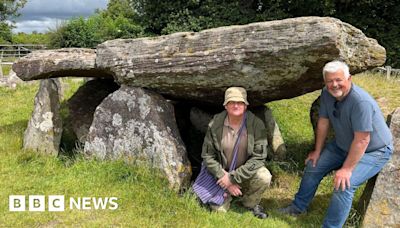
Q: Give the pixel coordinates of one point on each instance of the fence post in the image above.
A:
(1, 60)
(388, 71)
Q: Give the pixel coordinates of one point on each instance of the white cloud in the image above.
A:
(43, 25)
(42, 15)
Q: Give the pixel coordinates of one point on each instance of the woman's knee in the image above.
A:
(264, 176)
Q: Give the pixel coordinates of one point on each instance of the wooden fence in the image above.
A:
(19, 50)
(11, 52)
(388, 71)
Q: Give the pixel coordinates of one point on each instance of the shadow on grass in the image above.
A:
(296, 154)
(313, 218)
(17, 127)
(11, 134)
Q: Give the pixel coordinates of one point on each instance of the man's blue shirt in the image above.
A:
(358, 111)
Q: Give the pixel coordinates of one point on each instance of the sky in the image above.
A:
(42, 15)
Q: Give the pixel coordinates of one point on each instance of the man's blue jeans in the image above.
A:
(332, 158)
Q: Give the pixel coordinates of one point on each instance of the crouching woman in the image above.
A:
(234, 153)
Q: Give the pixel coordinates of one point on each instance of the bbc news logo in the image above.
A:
(58, 203)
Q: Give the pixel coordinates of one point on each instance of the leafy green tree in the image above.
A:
(80, 32)
(5, 33)
(376, 18)
(33, 38)
(164, 17)
(76, 33)
(120, 8)
(8, 10)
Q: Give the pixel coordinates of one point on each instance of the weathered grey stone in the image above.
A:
(384, 206)
(314, 113)
(84, 102)
(272, 60)
(276, 144)
(10, 81)
(383, 103)
(45, 126)
(60, 87)
(58, 63)
(200, 119)
(139, 126)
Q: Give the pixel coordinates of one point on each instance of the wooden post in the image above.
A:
(388, 71)
(1, 60)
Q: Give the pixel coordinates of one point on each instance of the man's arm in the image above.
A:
(357, 150)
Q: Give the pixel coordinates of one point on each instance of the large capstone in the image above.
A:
(139, 126)
(63, 62)
(272, 60)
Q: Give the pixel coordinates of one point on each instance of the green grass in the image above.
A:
(6, 69)
(143, 197)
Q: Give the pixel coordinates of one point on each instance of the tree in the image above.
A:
(75, 33)
(376, 18)
(8, 10)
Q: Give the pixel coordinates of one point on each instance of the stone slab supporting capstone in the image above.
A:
(276, 144)
(44, 129)
(384, 205)
(139, 127)
(83, 103)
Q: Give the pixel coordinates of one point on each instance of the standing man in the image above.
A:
(362, 145)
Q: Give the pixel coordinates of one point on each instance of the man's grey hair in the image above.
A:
(334, 66)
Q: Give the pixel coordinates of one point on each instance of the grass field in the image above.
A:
(6, 69)
(143, 198)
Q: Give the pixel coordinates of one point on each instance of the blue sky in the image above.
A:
(42, 15)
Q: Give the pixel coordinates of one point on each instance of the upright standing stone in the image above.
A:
(45, 126)
(200, 119)
(276, 144)
(314, 115)
(384, 206)
(139, 126)
(83, 103)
